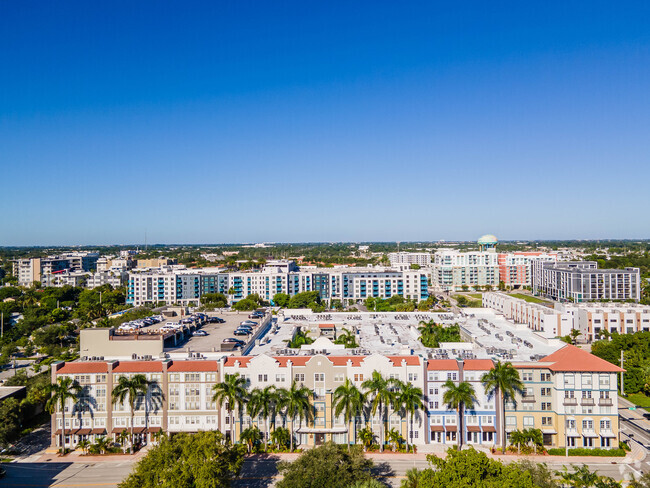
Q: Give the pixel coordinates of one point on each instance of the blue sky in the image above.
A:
(212, 122)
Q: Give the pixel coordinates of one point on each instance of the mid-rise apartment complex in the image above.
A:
(181, 285)
(570, 395)
(595, 320)
(30, 270)
(580, 281)
(420, 258)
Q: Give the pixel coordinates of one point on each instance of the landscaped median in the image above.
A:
(588, 452)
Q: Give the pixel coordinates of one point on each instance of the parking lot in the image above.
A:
(216, 332)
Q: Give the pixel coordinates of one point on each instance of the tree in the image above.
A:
(280, 437)
(295, 403)
(575, 333)
(281, 300)
(130, 389)
(102, 444)
(347, 338)
(348, 400)
(409, 398)
(232, 392)
(187, 461)
(578, 477)
(459, 396)
(469, 468)
(379, 389)
(412, 480)
(517, 438)
(503, 381)
(84, 444)
(215, 300)
(299, 339)
(263, 402)
(367, 437)
(327, 466)
(542, 476)
(9, 420)
(395, 439)
(63, 390)
(251, 436)
(121, 439)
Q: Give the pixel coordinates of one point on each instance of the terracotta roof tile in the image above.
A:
(477, 365)
(343, 360)
(572, 358)
(138, 367)
(83, 368)
(191, 366)
(410, 360)
(442, 365)
(243, 361)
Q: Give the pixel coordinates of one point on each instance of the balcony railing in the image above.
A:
(528, 398)
(605, 401)
(587, 401)
(570, 401)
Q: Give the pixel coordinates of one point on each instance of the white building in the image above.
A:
(453, 269)
(592, 319)
(422, 259)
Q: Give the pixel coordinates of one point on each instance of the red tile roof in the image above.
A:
(410, 360)
(343, 360)
(295, 360)
(191, 366)
(138, 367)
(572, 358)
(83, 368)
(243, 361)
(326, 326)
(478, 365)
(442, 365)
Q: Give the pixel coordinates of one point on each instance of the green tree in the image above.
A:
(232, 392)
(129, 389)
(198, 460)
(280, 437)
(541, 475)
(347, 338)
(295, 404)
(578, 476)
(517, 438)
(502, 381)
(327, 466)
(263, 402)
(281, 300)
(413, 478)
(348, 400)
(84, 444)
(63, 390)
(9, 420)
(367, 437)
(102, 444)
(380, 392)
(251, 436)
(409, 398)
(459, 396)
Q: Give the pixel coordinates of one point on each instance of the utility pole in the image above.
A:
(2, 324)
(622, 379)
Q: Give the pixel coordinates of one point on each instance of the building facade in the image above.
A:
(580, 281)
(180, 285)
(420, 258)
(31, 270)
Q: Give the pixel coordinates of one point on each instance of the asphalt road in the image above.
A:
(78, 475)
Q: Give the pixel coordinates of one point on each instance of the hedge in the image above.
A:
(588, 452)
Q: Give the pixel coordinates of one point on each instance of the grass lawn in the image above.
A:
(476, 295)
(529, 298)
(639, 399)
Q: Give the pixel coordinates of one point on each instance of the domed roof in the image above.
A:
(488, 239)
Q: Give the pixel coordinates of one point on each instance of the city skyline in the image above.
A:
(250, 123)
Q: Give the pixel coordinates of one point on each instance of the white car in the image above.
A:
(200, 333)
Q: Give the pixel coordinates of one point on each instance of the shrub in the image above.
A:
(580, 451)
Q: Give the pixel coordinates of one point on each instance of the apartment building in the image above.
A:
(41, 269)
(420, 258)
(580, 281)
(594, 319)
(571, 396)
(515, 268)
(544, 320)
(480, 422)
(454, 270)
(175, 284)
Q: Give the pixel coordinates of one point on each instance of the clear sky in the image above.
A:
(239, 121)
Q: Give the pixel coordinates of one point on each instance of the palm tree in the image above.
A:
(231, 391)
(280, 437)
(63, 390)
(458, 396)
(348, 400)
(412, 480)
(395, 438)
(380, 389)
(121, 439)
(130, 388)
(295, 402)
(502, 380)
(251, 436)
(517, 438)
(102, 444)
(366, 436)
(347, 338)
(84, 445)
(263, 401)
(409, 398)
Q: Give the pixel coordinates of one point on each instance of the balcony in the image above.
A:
(607, 402)
(587, 401)
(528, 398)
(570, 401)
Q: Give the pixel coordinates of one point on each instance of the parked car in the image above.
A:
(248, 322)
(216, 320)
(200, 333)
(232, 340)
(256, 315)
(240, 332)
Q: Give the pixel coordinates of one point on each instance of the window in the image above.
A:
(529, 421)
(546, 406)
(511, 421)
(192, 377)
(604, 394)
(586, 393)
(339, 378)
(547, 420)
(605, 425)
(587, 425)
(546, 392)
(319, 376)
(262, 378)
(452, 376)
(280, 378)
(413, 376)
(300, 377)
(586, 380)
(527, 376)
(546, 376)
(358, 377)
(569, 380)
